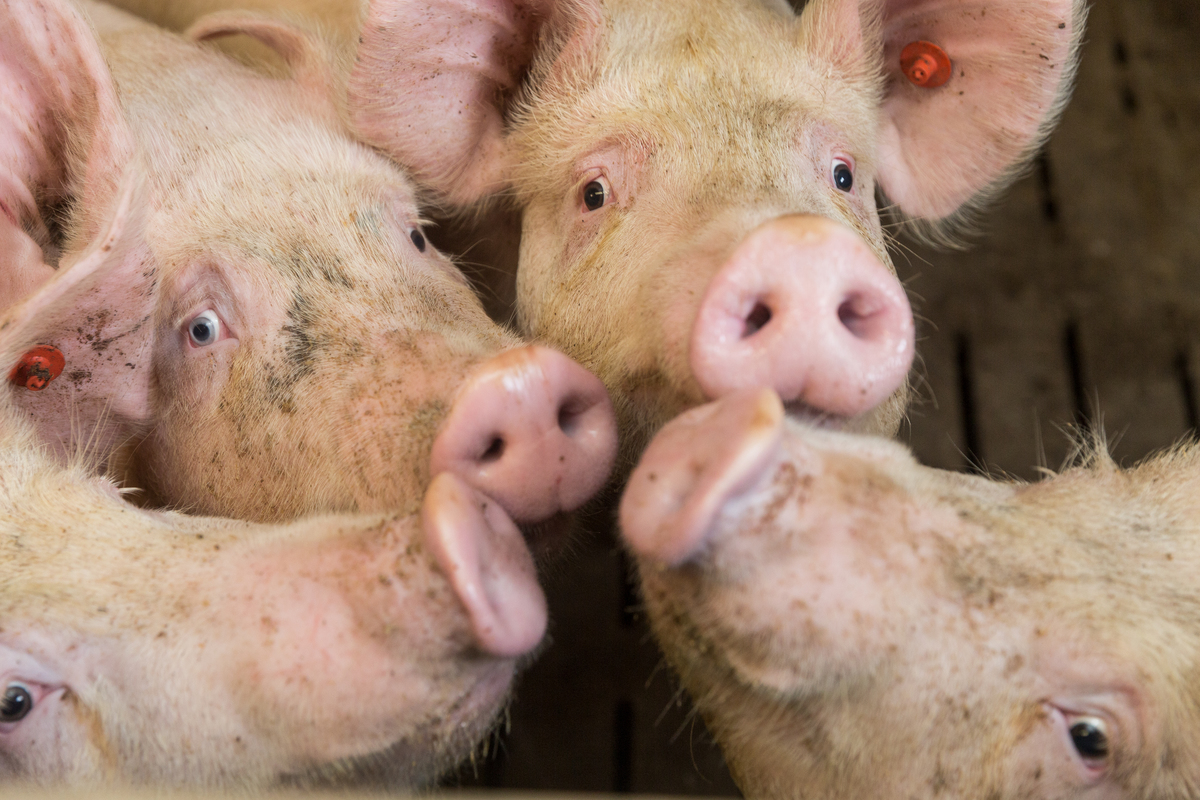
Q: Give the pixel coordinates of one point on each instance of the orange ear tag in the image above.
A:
(38, 367)
(925, 64)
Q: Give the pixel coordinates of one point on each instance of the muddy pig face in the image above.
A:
(699, 181)
(853, 624)
(154, 648)
(265, 324)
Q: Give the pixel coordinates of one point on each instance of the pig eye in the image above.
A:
(843, 174)
(418, 239)
(595, 194)
(16, 703)
(204, 329)
(1090, 737)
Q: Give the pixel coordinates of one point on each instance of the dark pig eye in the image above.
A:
(16, 703)
(418, 239)
(204, 329)
(595, 195)
(843, 175)
(1089, 736)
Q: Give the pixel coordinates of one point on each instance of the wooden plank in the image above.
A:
(673, 751)
(1142, 400)
(563, 720)
(996, 353)
(1131, 225)
(935, 428)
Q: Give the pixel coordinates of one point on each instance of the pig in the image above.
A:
(263, 330)
(697, 179)
(698, 182)
(154, 648)
(853, 624)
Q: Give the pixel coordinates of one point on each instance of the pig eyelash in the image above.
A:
(842, 174)
(596, 194)
(204, 329)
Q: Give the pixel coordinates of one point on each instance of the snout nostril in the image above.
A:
(494, 452)
(859, 314)
(759, 316)
(568, 416)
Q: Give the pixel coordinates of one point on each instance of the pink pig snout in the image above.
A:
(531, 429)
(695, 465)
(805, 307)
(484, 557)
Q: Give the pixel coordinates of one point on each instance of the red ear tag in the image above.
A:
(38, 367)
(925, 64)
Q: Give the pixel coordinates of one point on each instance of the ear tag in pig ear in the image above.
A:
(925, 64)
(38, 367)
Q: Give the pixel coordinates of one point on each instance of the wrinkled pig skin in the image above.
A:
(170, 650)
(705, 121)
(335, 342)
(853, 624)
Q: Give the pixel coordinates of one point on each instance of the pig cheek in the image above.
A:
(343, 660)
(392, 409)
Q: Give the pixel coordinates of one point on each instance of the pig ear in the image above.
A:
(97, 312)
(63, 141)
(1007, 69)
(431, 82)
(303, 51)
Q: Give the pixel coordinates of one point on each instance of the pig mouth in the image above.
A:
(548, 538)
(814, 417)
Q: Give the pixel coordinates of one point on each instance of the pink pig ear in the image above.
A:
(97, 312)
(431, 81)
(64, 144)
(303, 51)
(962, 118)
(62, 138)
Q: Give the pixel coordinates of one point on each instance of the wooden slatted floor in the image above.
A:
(1082, 293)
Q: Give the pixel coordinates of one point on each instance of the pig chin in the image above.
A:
(430, 749)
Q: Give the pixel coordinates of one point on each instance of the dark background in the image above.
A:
(1082, 292)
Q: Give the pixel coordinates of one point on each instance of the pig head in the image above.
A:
(264, 329)
(153, 648)
(699, 183)
(852, 624)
